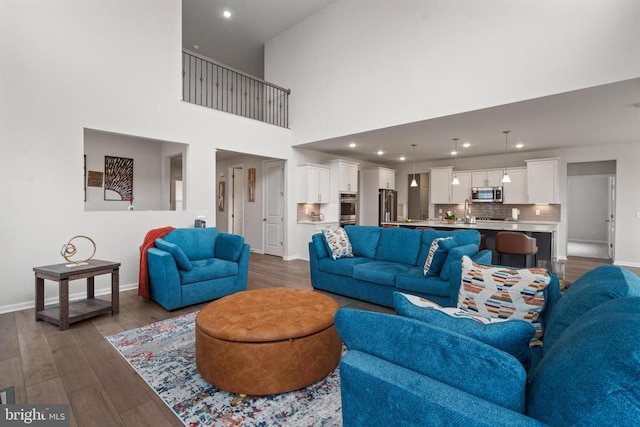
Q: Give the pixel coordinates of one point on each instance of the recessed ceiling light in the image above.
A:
(226, 13)
(196, 46)
(352, 144)
(380, 152)
(519, 145)
(403, 158)
(466, 145)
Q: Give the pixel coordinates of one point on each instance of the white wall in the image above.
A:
(114, 66)
(359, 65)
(587, 208)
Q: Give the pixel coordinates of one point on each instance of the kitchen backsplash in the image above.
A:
(502, 211)
(304, 208)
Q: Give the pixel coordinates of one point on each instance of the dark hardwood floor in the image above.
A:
(79, 367)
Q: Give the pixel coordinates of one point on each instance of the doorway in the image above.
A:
(591, 197)
(176, 190)
(273, 214)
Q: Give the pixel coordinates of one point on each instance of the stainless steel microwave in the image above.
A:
(486, 194)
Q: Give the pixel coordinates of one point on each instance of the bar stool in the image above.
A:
(514, 243)
(483, 242)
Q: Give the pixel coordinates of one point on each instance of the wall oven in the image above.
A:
(348, 208)
(486, 194)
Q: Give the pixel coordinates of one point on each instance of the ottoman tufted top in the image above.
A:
(263, 315)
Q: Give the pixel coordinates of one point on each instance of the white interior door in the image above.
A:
(273, 219)
(237, 211)
(611, 216)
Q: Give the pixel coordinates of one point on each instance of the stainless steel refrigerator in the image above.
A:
(387, 205)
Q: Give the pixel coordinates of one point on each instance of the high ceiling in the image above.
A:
(600, 115)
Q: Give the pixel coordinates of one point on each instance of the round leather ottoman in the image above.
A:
(267, 341)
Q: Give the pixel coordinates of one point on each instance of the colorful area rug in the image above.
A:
(163, 353)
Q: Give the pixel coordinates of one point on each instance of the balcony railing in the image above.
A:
(210, 84)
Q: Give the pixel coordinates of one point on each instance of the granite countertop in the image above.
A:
(528, 226)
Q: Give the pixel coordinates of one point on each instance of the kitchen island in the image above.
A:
(544, 233)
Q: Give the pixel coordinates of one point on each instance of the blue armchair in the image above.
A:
(193, 265)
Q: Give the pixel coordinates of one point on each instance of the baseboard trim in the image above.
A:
(626, 264)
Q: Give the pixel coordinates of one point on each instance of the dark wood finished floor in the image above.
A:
(78, 366)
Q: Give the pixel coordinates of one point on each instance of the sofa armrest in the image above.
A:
(164, 279)
(445, 356)
(378, 392)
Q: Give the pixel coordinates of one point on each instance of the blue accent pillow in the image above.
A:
(512, 336)
(181, 259)
(438, 255)
(456, 254)
(229, 246)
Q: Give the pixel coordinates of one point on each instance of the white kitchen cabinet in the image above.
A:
(344, 177)
(462, 191)
(515, 192)
(313, 183)
(386, 178)
(542, 181)
(440, 185)
(486, 178)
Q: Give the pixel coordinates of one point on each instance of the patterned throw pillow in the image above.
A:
(338, 242)
(437, 256)
(504, 293)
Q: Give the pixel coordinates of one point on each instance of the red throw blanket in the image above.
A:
(143, 274)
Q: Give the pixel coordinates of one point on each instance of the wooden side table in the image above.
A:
(65, 313)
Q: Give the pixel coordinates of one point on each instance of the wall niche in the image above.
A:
(132, 173)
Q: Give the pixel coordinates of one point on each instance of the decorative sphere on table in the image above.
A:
(68, 250)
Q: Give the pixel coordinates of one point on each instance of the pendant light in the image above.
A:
(505, 177)
(414, 183)
(455, 161)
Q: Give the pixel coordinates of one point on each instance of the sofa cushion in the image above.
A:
(364, 239)
(380, 272)
(437, 255)
(208, 269)
(400, 245)
(415, 282)
(512, 336)
(591, 375)
(590, 290)
(342, 266)
(196, 243)
(338, 242)
(443, 355)
(456, 254)
(229, 246)
(503, 292)
(182, 261)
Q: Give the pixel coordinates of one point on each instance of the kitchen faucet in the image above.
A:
(467, 212)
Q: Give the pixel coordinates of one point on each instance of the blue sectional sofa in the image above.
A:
(192, 265)
(403, 371)
(386, 260)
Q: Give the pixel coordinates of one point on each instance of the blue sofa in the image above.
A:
(404, 372)
(386, 260)
(192, 265)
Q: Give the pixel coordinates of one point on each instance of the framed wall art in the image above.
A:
(221, 196)
(252, 184)
(118, 178)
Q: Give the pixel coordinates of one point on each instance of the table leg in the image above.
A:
(39, 295)
(64, 304)
(115, 291)
(90, 287)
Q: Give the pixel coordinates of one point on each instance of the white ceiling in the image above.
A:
(605, 114)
